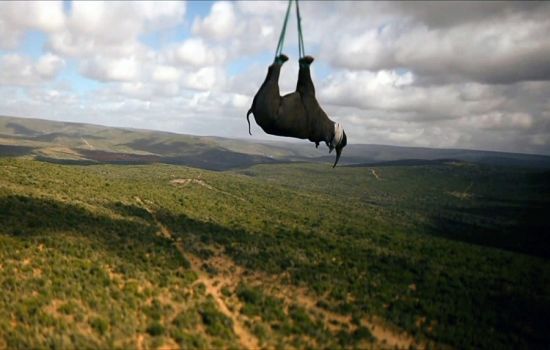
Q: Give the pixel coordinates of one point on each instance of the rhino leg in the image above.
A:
(305, 84)
(267, 100)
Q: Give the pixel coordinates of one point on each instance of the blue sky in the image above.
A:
(401, 73)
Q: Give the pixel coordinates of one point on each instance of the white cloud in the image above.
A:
(197, 53)
(16, 70)
(166, 74)
(105, 69)
(508, 48)
(113, 28)
(242, 27)
(206, 78)
(135, 90)
(46, 16)
(498, 120)
(20, 70)
(9, 36)
(384, 90)
(220, 24)
(49, 65)
(18, 16)
(161, 14)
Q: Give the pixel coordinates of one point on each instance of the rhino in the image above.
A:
(297, 114)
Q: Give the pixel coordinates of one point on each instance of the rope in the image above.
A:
(301, 49)
(280, 44)
(283, 31)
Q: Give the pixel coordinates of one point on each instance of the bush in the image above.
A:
(155, 329)
(99, 325)
(217, 324)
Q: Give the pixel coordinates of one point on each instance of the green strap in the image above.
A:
(283, 31)
(301, 49)
(280, 44)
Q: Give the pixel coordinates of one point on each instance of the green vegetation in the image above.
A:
(257, 304)
(217, 324)
(452, 254)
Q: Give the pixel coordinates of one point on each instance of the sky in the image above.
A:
(472, 75)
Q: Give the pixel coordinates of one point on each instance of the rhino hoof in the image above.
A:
(282, 58)
(307, 60)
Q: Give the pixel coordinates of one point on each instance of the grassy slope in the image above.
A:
(82, 263)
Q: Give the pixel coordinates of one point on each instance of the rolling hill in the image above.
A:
(88, 144)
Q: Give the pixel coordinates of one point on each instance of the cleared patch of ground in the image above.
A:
(199, 182)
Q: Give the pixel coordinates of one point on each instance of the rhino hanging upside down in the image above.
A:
(297, 114)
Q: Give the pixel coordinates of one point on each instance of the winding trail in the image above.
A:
(185, 182)
(87, 143)
(213, 285)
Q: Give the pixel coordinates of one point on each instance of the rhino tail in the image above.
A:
(248, 119)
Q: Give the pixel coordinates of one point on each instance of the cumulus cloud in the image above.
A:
(499, 120)
(20, 70)
(166, 74)
(390, 91)
(438, 14)
(206, 78)
(104, 69)
(242, 27)
(104, 37)
(387, 107)
(219, 24)
(49, 65)
(18, 16)
(197, 53)
(113, 28)
(491, 46)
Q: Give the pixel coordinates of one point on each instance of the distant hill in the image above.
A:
(77, 143)
(366, 155)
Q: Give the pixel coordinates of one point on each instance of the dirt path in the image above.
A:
(213, 285)
(185, 182)
(464, 194)
(87, 143)
(233, 275)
